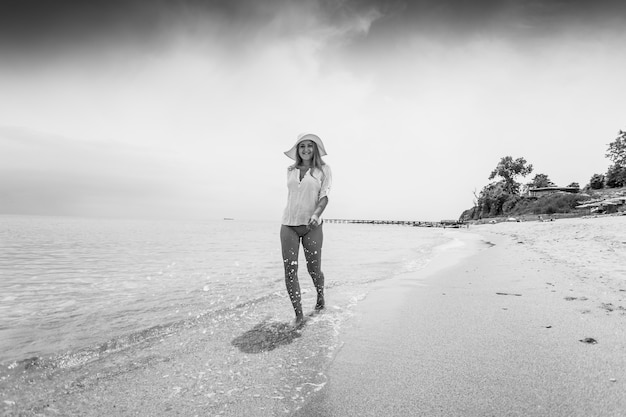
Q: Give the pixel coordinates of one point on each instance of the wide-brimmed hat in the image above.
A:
(302, 137)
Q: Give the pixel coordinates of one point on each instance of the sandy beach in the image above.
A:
(531, 323)
(510, 319)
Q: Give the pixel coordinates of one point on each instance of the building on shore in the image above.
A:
(537, 192)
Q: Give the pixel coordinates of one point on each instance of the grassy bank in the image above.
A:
(552, 205)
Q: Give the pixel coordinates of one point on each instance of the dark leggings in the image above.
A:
(312, 239)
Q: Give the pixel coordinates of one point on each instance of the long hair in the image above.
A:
(316, 163)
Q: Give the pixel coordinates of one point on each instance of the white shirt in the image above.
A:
(304, 195)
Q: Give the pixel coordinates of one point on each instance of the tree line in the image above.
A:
(506, 195)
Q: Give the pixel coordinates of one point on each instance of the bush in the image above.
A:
(510, 203)
(554, 203)
(616, 176)
(596, 182)
(491, 200)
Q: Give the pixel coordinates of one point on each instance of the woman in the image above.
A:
(308, 182)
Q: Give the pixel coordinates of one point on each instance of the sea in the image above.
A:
(89, 299)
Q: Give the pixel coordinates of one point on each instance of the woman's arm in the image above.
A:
(327, 180)
(321, 205)
(319, 209)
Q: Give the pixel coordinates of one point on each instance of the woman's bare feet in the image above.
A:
(321, 304)
(298, 323)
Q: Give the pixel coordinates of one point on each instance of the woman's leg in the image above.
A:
(290, 242)
(312, 244)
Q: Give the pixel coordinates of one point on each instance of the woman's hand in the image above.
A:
(313, 222)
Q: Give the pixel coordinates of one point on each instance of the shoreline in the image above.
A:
(508, 330)
(490, 326)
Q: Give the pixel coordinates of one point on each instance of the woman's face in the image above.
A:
(306, 148)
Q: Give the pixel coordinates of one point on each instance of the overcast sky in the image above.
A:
(184, 108)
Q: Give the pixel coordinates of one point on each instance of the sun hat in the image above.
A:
(302, 137)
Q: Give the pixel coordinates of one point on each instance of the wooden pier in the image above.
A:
(415, 223)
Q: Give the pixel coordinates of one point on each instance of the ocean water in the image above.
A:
(80, 297)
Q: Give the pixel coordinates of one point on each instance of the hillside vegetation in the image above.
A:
(506, 197)
(547, 205)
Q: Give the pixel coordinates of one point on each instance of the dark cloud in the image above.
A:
(40, 23)
(521, 17)
(45, 28)
(37, 25)
(40, 26)
(528, 26)
(113, 31)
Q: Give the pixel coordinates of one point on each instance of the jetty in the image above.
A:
(414, 223)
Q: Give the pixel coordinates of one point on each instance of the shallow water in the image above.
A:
(80, 297)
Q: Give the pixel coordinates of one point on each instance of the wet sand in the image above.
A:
(532, 323)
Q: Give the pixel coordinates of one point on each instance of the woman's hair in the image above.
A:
(316, 163)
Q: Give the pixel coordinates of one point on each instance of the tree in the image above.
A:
(596, 182)
(491, 199)
(508, 169)
(616, 176)
(574, 185)
(541, 181)
(617, 150)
